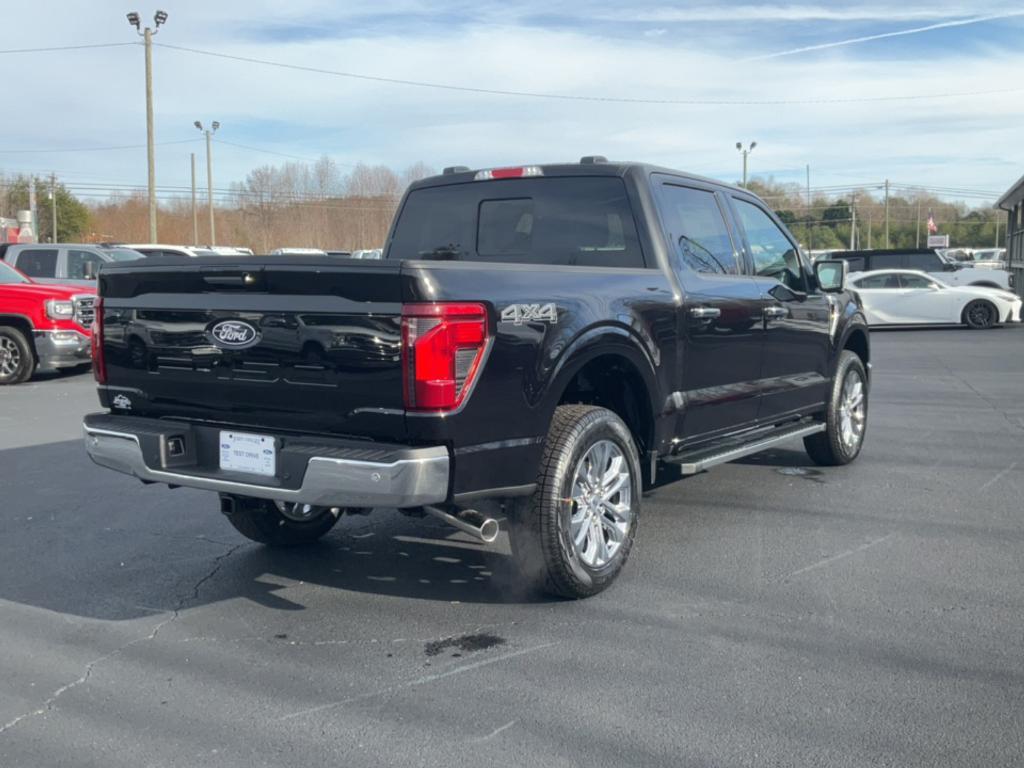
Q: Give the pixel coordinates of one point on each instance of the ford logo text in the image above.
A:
(234, 334)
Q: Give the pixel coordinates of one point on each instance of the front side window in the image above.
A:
(773, 254)
(38, 262)
(76, 263)
(696, 228)
(10, 276)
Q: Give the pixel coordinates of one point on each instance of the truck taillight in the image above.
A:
(442, 350)
(99, 363)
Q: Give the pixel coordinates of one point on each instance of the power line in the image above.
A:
(279, 154)
(66, 48)
(577, 97)
(92, 149)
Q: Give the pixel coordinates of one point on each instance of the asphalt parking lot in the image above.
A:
(772, 613)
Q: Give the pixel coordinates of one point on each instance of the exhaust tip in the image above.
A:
(489, 530)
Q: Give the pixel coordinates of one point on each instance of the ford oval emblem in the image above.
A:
(234, 334)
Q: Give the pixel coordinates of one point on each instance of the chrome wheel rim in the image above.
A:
(602, 508)
(852, 411)
(10, 357)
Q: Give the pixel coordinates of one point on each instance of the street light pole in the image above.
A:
(53, 206)
(745, 152)
(886, 213)
(147, 35)
(195, 218)
(209, 174)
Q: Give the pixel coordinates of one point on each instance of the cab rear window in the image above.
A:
(578, 221)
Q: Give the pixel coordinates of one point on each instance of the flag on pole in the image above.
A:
(932, 229)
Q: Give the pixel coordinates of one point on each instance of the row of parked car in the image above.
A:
(913, 287)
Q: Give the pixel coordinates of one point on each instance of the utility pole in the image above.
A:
(870, 222)
(195, 218)
(33, 205)
(996, 244)
(810, 232)
(853, 218)
(147, 35)
(919, 222)
(209, 173)
(53, 206)
(886, 213)
(745, 152)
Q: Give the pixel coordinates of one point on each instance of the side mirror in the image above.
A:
(90, 269)
(831, 275)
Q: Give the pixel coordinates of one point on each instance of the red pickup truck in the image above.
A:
(42, 327)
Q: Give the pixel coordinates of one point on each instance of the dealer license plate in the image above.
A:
(244, 452)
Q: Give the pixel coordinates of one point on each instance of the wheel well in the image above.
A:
(986, 285)
(612, 382)
(857, 342)
(23, 325)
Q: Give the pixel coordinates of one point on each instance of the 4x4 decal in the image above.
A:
(517, 314)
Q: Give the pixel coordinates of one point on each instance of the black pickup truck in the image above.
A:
(535, 342)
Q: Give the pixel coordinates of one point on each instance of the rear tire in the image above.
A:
(17, 358)
(846, 417)
(262, 521)
(573, 536)
(980, 314)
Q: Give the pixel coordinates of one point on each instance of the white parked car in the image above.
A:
(909, 297)
(162, 249)
(298, 252)
(926, 260)
(991, 258)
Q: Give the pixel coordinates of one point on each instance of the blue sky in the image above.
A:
(647, 50)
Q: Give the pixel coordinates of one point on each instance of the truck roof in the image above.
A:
(587, 166)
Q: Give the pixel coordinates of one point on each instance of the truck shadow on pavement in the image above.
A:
(80, 540)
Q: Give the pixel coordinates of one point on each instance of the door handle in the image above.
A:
(705, 313)
(775, 312)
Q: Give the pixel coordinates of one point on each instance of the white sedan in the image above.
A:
(907, 297)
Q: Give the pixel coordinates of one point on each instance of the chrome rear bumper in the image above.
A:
(416, 478)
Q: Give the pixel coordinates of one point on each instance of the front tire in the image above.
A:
(846, 417)
(980, 315)
(574, 535)
(277, 524)
(17, 360)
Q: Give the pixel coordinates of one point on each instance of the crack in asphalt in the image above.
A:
(981, 396)
(48, 704)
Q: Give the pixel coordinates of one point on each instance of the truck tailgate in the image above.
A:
(288, 343)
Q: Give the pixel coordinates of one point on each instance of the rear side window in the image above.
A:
(697, 230)
(879, 281)
(926, 262)
(915, 281)
(886, 261)
(578, 221)
(38, 262)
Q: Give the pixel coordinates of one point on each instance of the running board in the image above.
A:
(692, 463)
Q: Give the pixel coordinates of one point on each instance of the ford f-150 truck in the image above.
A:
(535, 342)
(42, 327)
